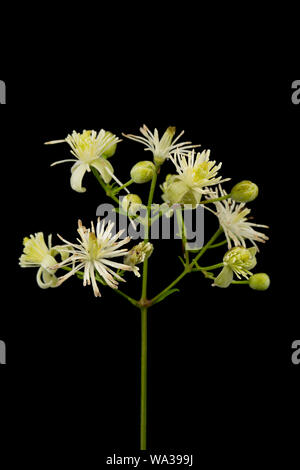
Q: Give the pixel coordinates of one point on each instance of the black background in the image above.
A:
(221, 380)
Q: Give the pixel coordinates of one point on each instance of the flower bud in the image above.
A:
(131, 203)
(245, 191)
(259, 281)
(143, 172)
(111, 150)
(138, 254)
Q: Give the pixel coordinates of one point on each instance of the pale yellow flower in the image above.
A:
(37, 254)
(161, 148)
(234, 221)
(88, 149)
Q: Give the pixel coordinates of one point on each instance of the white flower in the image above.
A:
(89, 148)
(195, 173)
(37, 254)
(164, 147)
(233, 219)
(241, 260)
(94, 253)
(238, 261)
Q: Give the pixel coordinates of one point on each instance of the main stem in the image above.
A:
(144, 311)
(143, 430)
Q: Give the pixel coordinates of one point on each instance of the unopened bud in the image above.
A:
(260, 281)
(142, 172)
(131, 203)
(245, 191)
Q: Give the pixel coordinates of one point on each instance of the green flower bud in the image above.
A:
(131, 203)
(111, 150)
(143, 172)
(245, 191)
(260, 281)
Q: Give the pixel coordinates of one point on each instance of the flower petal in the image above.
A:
(225, 277)
(45, 280)
(104, 167)
(77, 175)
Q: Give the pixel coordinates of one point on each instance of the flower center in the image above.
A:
(35, 250)
(201, 172)
(93, 246)
(86, 147)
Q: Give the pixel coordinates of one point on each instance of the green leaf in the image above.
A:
(165, 294)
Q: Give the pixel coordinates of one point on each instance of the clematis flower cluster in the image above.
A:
(101, 257)
(194, 179)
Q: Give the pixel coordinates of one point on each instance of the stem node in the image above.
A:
(145, 303)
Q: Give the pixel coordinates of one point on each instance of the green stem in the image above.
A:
(145, 265)
(80, 275)
(181, 276)
(206, 247)
(116, 191)
(130, 299)
(245, 283)
(107, 190)
(190, 267)
(240, 282)
(216, 200)
(150, 200)
(143, 429)
(144, 311)
(208, 268)
(218, 244)
(145, 280)
(182, 231)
